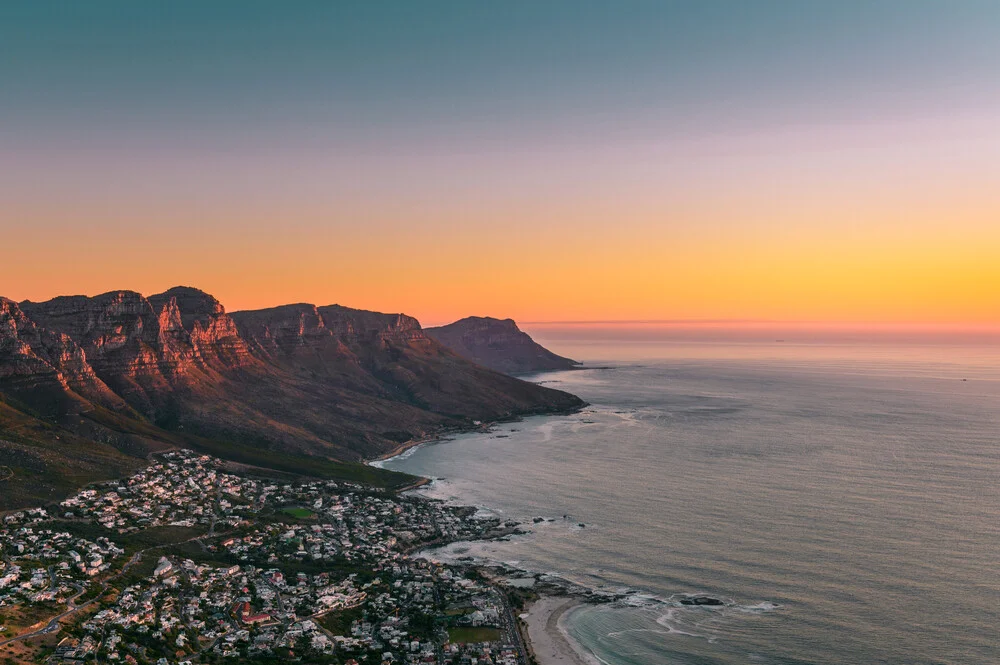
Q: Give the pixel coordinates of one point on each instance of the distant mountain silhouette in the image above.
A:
(498, 344)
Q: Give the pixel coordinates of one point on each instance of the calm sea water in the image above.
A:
(842, 499)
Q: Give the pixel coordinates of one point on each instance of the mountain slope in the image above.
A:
(383, 369)
(128, 374)
(499, 345)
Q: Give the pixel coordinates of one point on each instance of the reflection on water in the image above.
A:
(841, 499)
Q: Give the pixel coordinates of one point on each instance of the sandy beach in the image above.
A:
(548, 642)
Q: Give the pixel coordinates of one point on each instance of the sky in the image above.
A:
(547, 161)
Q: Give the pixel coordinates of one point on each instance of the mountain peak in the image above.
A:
(486, 320)
(498, 344)
(193, 303)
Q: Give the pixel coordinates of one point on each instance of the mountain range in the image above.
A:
(91, 385)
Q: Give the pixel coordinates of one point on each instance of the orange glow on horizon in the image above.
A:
(735, 240)
(583, 277)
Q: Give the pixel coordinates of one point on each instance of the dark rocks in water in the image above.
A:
(582, 525)
(706, 601)
(538, 519)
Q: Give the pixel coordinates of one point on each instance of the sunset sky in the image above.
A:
(548, 161)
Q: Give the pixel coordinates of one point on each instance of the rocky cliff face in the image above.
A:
(358, 325)
(143, 348)
(498, 344)
(328, 381)
(389, 356)
(333, 329)
(44, 368)
(204, 328)
(282, 329)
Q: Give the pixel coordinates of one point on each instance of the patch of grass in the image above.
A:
(471, 635)
(300, 513)
(160, 535)
(88, 530)
(519, 598)
(152, 537)
(140, 571)
(194, 552)
(19, 617)
(93, 592)
(339, 623)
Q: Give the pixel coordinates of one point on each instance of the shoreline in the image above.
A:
(546, 638)
(407, 445)
(485, 426)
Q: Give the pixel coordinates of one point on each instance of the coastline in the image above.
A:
(542, 629)
(545, 635)
(406, 445)
(485, 426)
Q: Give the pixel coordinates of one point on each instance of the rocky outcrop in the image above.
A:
(142, 348)
(358, 325)
(119, 332)
(289, 328)
(282, 329)
(204, 327)
(498, 344)
(45, 369)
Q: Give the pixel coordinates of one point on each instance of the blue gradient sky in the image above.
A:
(659, 159)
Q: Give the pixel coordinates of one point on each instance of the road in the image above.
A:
(508, 623)
(53, 624)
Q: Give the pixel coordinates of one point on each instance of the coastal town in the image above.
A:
(189, 561)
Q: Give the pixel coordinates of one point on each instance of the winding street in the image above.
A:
(53, 624)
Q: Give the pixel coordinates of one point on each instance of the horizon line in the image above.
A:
(977, 324)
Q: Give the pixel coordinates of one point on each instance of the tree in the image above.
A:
(302, 644)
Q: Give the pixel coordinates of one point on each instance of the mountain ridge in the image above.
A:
(297, 382)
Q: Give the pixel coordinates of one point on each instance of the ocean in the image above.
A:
(840, 497)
